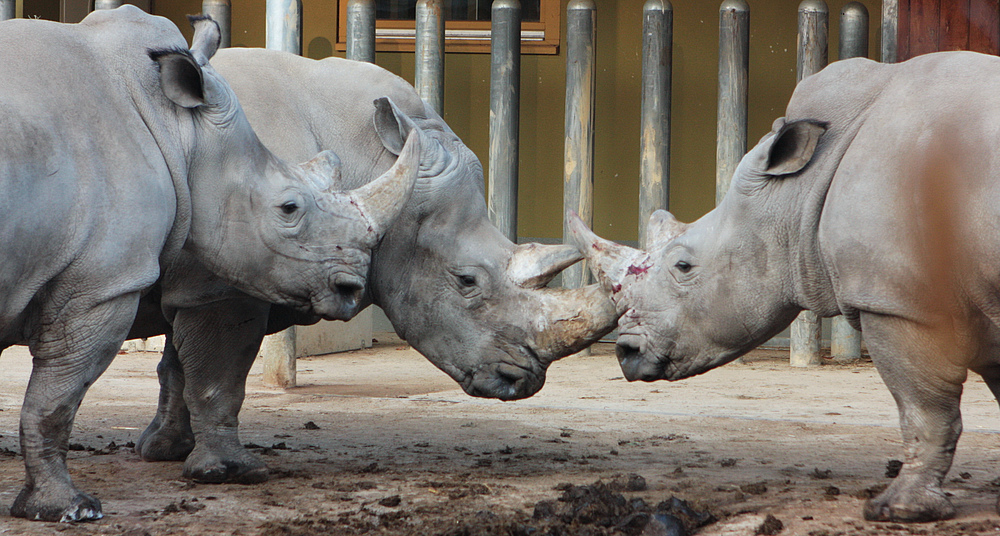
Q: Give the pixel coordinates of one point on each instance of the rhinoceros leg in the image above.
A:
(926, 383)
(216, 346)
(69, 354)
(169, 436)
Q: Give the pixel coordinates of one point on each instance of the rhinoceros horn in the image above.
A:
(663, 227)
(609, 262)
(382, 200)
(533, 265)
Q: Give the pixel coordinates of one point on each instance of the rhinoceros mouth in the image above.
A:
(503, 380)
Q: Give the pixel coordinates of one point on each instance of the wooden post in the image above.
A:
(654, 141)
(813, 42)
(284, 32)
(505, 104)
(734, 69)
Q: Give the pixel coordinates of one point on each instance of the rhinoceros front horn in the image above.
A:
(609, 261)
(382, 200)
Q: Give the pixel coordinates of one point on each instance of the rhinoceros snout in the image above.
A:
(635, 364)
(504, 381)
(344, 299)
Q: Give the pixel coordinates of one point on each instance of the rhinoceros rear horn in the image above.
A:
(382, 200)
(663, 227)
(609, 261)
(534, 265)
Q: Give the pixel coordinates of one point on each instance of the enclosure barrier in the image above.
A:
(429, 53)
(845, 341)
(734, 68)
(284, 25)
(361, 30)
(654, 139)
(814, 24)
(107, 4)
(890, 31)
(221, 12)
(283, 32)
(505, 103)
(578, 171)
(8, 9)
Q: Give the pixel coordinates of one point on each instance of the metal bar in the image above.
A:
(361, 30)
(890, 31)
(814, 29)
(853, 31)
(8, 9)
(734, 68)
(505, 102)
(578, 171)
(429, 79)
(107, 4)
(284, 25)
(845, 341)
(221, 12)
(654, 141)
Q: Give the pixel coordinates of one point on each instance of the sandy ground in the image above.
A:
(380, 442)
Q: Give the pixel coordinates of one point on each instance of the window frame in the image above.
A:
(540, 37)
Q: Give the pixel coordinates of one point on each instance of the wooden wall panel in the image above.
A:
(984, 27)
(933, 25)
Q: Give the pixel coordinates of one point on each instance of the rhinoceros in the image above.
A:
(471, 301)
(124, 151)
(876, 196)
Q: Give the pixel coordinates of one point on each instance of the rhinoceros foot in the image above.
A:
(65, 505)
(234, 464)
(164, 444)
(909, 504)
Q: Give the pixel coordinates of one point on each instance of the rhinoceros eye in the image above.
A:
(683, 266)
(289, 207)
(467, 280)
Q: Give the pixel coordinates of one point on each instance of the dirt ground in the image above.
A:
(380, 442)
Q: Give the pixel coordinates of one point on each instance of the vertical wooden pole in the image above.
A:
(505, 103)
(813, 43)
(654, 141)
(734, 69)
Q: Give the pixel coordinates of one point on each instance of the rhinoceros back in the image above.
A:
(85, 189)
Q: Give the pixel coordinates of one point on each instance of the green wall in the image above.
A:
(692, 188)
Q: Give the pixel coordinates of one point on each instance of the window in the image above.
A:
(467, 25)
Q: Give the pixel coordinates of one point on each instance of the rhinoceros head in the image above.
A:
(704, 293)
(281, 232)
(473, 302)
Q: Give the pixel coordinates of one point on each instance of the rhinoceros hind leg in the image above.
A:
(221, 464)
(52, 506)
(77, 343)
(905, 502)
(923, 369)
(169, 436)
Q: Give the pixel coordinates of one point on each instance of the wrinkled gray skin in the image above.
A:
(830, 212)
(125, 152)
(463, 295)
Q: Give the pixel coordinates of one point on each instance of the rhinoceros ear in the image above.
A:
(180, 77)
(206, 39)
(392, 125)
(793, 146)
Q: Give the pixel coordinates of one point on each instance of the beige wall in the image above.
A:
(772, 78)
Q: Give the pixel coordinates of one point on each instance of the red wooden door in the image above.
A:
(933, 25)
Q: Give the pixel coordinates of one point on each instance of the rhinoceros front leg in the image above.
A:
(925, 376)
(169, 436)
(69, 354)
(216, 346)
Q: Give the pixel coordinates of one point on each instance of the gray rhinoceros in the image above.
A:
(122, 151)
(472, 302)
(835, 211)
